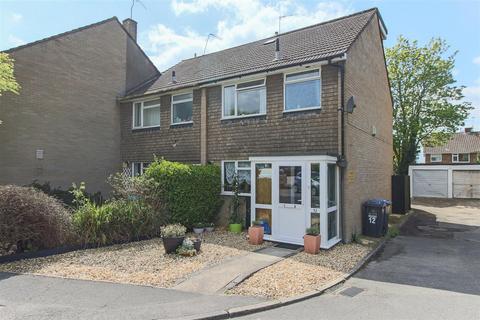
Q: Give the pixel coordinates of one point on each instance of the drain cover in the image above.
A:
(351, 292)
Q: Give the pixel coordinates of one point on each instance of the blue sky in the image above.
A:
(173, 30)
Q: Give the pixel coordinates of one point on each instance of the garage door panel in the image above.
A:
(430, 183)
(466, 184)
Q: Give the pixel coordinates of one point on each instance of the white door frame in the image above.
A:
(305, 162)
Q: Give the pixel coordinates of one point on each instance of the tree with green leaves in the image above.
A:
(427, 106)
(8, 83)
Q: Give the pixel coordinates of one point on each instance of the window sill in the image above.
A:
(229, 193)
(245, 116)
(302, 109)
(143, 129)
(181, 124)
(246, 119)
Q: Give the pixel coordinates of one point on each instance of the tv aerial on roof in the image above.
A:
(208, 38)
(133, 4)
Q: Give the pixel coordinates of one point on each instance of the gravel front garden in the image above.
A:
(143, 262)
(303, 272)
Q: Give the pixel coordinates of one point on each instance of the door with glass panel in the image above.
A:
(290, 201)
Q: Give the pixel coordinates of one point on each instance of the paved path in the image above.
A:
(42, 298)
(225, 275)
(431, 271)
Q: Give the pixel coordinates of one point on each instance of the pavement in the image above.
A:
(227, 274)
(430, 271)
(42, 298)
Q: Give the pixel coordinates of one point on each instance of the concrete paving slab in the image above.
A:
(216, 279)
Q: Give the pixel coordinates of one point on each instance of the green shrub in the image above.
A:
(64, 196)
(191, 193)
(30, 219)
(118, 220)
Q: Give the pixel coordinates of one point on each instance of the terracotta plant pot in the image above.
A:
(171, 244)
(311, 244)
(255, 235)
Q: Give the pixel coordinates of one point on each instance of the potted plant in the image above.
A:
(172, 236)
(209, 227)
(311, 240)
(255, 233)
(187, 248)
(235, 219)
(198, 228)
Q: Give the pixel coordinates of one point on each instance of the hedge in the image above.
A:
(191, 193)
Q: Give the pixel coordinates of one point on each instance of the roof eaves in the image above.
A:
(61, 35)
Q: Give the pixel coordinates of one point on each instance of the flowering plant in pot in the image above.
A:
(172, 236)
(311, 240)
(187, 249)
(209, 227)
(255, 233)
(235, 219)
(199, 227)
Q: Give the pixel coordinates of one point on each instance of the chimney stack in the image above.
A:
(468, 130)
(278, 56)
(131, 26)
(174, 77)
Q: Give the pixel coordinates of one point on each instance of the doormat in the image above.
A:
(287, 246)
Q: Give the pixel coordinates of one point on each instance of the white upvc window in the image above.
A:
(242, 169)
(146, 114)
(244, 99)
(461, 158)
(302, 90)
(138, 168)
(435, 158)
(182, 105)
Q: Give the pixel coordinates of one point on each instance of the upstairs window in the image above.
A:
(436, 158)
(146, 114)
(182, 105)
(461, 157)
(244, 99)
(303, 90)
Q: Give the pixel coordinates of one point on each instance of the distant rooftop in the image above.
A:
(461, 142)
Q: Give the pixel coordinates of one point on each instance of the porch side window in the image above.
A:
(244, 99)
(332, 216)
(303, 90)
(146, 114)
(243, 172)
(182, 105)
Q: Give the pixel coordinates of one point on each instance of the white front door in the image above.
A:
(289, 201)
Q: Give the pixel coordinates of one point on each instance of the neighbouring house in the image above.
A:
(64, 126)
(303, 118)
(462, 148)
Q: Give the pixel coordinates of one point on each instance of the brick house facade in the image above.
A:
(303, 117)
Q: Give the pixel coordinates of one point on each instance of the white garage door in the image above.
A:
(466, 184)
(430, 183)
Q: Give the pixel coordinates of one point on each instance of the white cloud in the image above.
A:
(15, 41)
(238, 22)
(472, 94)
(15, 17)
(476, 60)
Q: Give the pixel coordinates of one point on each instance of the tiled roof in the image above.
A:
(314, 43)
(461, 142)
